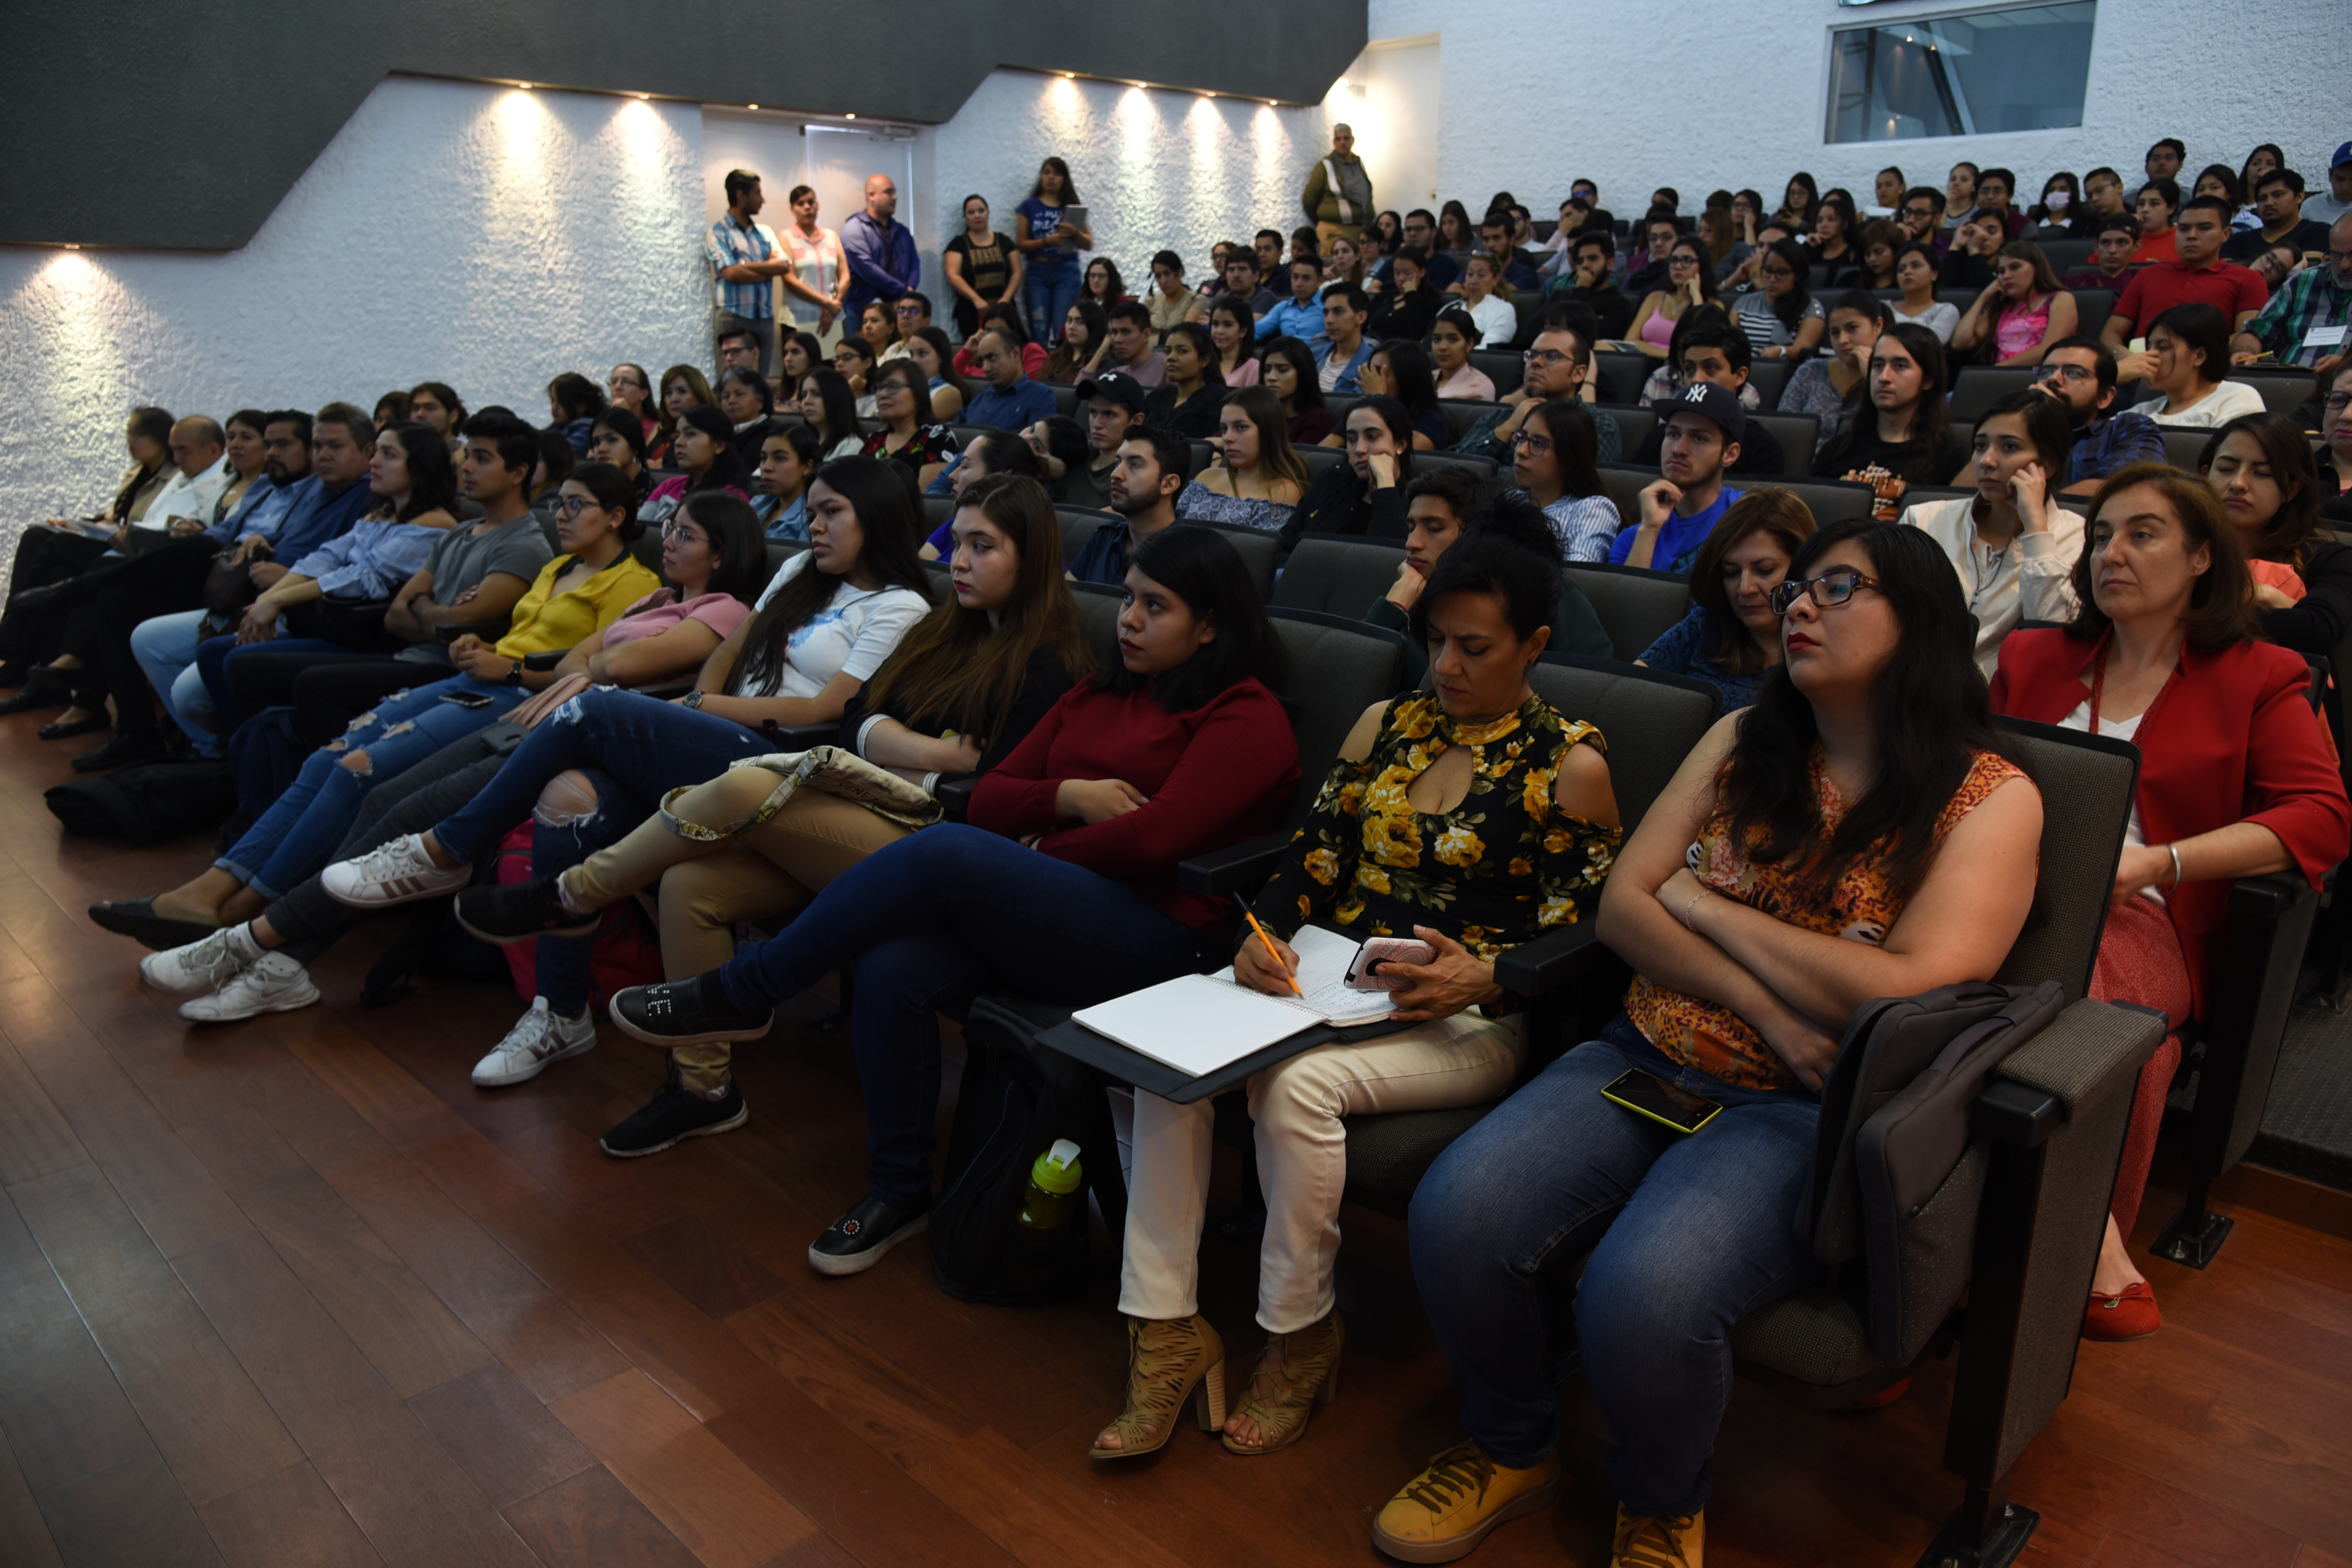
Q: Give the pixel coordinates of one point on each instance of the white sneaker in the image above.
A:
(399, 872)
(273, 983)
(208, 962)
(539, 1038)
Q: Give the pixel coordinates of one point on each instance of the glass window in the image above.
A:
(1961, 76)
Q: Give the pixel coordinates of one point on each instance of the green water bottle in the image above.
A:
(1053, 1199)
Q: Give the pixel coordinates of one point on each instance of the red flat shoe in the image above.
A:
(2129, 1315)
(1884, 1397)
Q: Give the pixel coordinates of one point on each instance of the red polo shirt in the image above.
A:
(2226, 286)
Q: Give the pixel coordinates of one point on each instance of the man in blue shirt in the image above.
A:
(880, 250)
(1421, 234)
(1342, 348)
(1152, 467)
(1010, 401)
(1301, 315)
(745, 261)
(1702, 425)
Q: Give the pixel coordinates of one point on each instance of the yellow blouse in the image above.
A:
(549, 622)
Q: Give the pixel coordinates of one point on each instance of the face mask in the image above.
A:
(2055, 201)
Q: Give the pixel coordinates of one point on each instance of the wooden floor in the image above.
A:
(292, 1291)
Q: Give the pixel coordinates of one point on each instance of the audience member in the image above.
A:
(1699, 440)
(991, 452)
(1103, 284)
(1085, 341)
(1363, 496)
(2198, 274)
(1540, 849)
(878, 325)
(2012, 543)
(1968, 264)
(1871, 779)
(1780, 317)
(1242, 280)
(799, 353)
(1830, 386)
(910, 437)
(2278, 201)
(1960, 196)
(934, 356)
(2081, 372)
(1172, 300)
(2155, 206)
(1690, 286)
(748, 402)
(1128, 332)
(1301, 315)
(1709, 348)
(437, 405)
(1647, 269)
(789, 457)
(1554, 458)
(2061, 207)
(618, 437)
(1010, 401)
(2164, 159)
(828, 403)
(1255, 480)
(1441, 507)
(2247, 784)
(2020, 313)
(745, 260)
(910, 313)
(1904, 437)
(1233, 329)
(816, 284)
(853, 361)
(1421, 234)
(1341, 349)
(1452, 335)
(1731, 637)
(1407, 306)
(2260, 469)
(1836, 259)
(1557, 366)
(1288, 369)
(1189, 400)
(983, 267)
(1401, 369)
(1495, 241)
(1592, 254)
(2338, 200)
(2306, 321)
(1994, 189)
(2112, 249)
(1922, 214)
(1150, 473)
(683, 386)
(878, 250)
(2188, 354)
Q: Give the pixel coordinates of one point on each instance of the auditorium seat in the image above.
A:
(1769, 377)
(1504, 368)
(1979, 386)
(1337, 573)
(1636, 606)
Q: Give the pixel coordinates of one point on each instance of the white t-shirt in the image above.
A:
(2116, 729)
(2227, 401)
(852, 635)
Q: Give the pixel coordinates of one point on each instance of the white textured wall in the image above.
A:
(1635, 95)
(1157, 169)
(482, 236)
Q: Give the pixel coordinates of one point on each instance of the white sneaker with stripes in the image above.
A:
(399, 872)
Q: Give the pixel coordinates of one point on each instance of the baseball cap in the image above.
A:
(1124, 390)
(1709, 402)
(2343, 156)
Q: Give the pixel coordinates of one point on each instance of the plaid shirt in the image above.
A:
(2312, 297)
(732, 245)
(2114, 444)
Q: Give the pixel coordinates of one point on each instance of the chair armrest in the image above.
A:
(1233, 869)
(543, 662)
(489, 631)
(662, 693)
(2090, 1051)
(1550, 961)
(954, 797)
(802, 737)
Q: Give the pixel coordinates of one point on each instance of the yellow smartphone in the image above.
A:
(1647, 1095)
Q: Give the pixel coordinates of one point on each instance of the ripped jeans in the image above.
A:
(298, 835)
(633, 750)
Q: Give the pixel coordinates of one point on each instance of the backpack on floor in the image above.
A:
(264, 755)
(625, 953)
(149, 805)
(1017, 1097)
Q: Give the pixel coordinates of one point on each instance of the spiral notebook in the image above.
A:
(1199, 1022)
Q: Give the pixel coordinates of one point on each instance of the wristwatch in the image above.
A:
(514, 675)
(692, 699)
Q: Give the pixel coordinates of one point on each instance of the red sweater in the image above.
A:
(2231, 737)
(1216, 775)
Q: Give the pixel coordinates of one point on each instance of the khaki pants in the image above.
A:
(1325, 233)
(708, 887)
(1302, 1160)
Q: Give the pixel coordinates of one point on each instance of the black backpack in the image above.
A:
(1016, 1098)
(149, 805)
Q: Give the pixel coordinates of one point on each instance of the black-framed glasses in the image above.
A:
(1776, 272)
(1543, 356)
(1533, 444)
(1682, 261)
(2337, 402)
(572, 506)
(1829, 590)
(1918, 212)
(2068, 373)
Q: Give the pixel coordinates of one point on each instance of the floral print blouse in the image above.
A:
(1861, 907)
(1503, 865)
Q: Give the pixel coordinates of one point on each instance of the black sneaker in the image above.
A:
(856, 1241)
(686, 1013)
(676, 1112)
(507, 912)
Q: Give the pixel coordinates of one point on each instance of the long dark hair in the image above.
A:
(1575, 444)
(1791, 307)
(1301, 359)
(1067, 360)
(1412, 379)
(1931, 421)
(1391, 413)
(1929, 710)
(727, 469)
(890, 516)
(938, 338)
(836, 402)
(579, 398)
(612, 489)
(2222, 603)
(1069, 196)
(1199, 566)
(2286, 448)
(912, 377)
(737, 539)
(1774, 511)
(2198, 326)
(432, 476)
(955, 669)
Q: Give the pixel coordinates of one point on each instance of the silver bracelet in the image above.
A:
(2173, 850)
(1687, 907)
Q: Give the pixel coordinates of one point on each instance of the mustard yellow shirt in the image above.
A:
(549, 622)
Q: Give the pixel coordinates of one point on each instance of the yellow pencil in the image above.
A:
(1271, 954)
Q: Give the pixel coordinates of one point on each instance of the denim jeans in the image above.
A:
(1689, 1234)
(298, 835)
(635, 750)
(1048, 290)
(165, 647)
(924, 924)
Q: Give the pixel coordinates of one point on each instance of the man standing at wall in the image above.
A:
(743, 252)
(880, 249)
(1338, 194)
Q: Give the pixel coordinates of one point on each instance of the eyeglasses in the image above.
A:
(2072, 373)
(909, 309)
(1543, 356)
(1829, 590)
(1533, 444)
(1682, 261)
(2337, 402)
(676, 528)
(573, 506)
(1918, 212)
(1777, 272)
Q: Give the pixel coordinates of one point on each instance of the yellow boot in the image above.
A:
(1448, 1509)
(1659, 1541)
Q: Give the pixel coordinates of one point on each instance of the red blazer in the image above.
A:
(2231, 737)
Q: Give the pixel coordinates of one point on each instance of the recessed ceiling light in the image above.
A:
(524, 85)
(849, 117)
(73, 246)
(750, 106)
(1069, 76)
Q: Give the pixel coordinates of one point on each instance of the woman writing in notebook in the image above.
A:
(1472, 818)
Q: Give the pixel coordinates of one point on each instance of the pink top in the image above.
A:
(1470, 384)
(2020, 327)
(1244, 373)
(1660, 330)
(657, 612)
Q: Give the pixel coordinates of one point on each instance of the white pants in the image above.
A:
(1302, 1160)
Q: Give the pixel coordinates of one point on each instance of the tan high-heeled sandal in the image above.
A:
(1166, 1360)
(1280, 1401)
